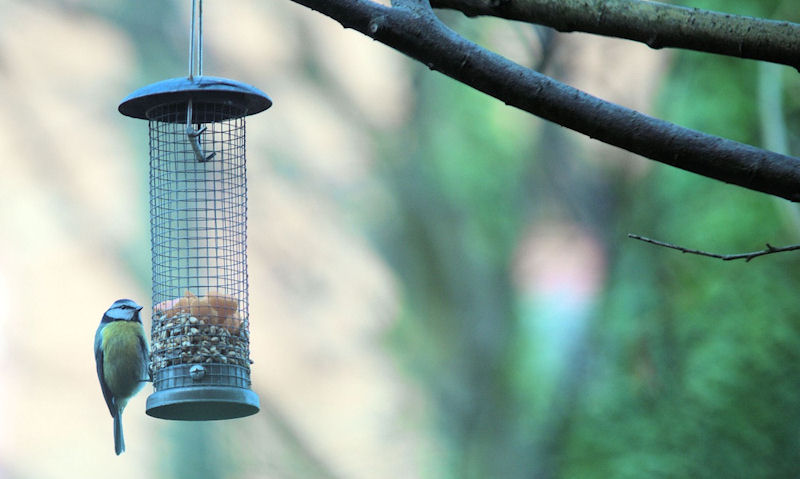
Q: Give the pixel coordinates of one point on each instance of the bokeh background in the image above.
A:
(441, 286)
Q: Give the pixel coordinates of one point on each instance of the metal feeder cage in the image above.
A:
(200, 354)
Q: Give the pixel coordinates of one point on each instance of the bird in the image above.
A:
(121, 352)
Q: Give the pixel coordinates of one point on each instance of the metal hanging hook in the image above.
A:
(194, 137)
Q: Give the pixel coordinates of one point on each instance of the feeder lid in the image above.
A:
(199, 89)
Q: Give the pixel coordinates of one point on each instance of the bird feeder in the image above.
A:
(200, 355)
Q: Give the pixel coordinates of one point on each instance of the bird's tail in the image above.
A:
(119, 440)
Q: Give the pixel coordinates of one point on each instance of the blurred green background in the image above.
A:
(441, 286)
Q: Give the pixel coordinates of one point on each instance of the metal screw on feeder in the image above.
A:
(200, 358)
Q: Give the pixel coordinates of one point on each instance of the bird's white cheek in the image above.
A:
(119, 314)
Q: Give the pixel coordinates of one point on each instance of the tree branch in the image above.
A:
(658, 25)
(413, 29)
(724, 257)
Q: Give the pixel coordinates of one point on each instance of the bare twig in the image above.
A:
(656, 24)
(724, 257)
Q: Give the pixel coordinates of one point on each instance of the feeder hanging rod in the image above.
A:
(196, 40)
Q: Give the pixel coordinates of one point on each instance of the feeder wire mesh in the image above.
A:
(198, 213)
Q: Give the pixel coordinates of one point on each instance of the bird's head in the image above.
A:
(123, 310)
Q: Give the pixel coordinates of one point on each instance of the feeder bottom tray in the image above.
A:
(202, 403)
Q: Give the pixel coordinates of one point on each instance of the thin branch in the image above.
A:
(413, 29)
(658, 25)
(724, 257)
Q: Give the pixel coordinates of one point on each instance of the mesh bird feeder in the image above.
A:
(200, 355)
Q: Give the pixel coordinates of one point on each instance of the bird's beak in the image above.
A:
(139, 308)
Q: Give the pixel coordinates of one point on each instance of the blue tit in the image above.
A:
(120, 349)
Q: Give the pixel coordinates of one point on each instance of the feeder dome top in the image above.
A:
(200, 89)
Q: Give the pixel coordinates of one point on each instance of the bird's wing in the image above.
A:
(144, 353)
(98, 357)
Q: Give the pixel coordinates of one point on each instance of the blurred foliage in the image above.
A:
(457, 184)
(696, 360)
(160, 31)
(691, 365)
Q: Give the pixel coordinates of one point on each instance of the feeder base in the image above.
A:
(202, 403)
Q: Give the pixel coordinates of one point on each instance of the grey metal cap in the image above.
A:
(203, 89)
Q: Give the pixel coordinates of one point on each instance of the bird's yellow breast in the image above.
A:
(124, 362)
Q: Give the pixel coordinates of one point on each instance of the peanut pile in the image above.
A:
(198, 330)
